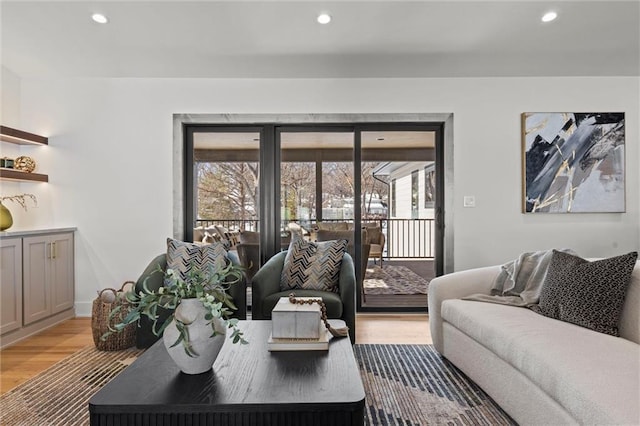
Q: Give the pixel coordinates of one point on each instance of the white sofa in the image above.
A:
(539, 370)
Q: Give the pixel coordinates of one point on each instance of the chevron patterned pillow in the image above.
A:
(182, 255)
(312, 266)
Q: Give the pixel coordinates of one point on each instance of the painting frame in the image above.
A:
(573, 162)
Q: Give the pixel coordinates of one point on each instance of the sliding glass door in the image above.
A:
(398, 212)
(256, 186)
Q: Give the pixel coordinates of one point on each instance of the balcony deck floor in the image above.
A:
(400, 302)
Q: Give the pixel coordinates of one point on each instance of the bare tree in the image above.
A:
(298, 187)
(228, 191)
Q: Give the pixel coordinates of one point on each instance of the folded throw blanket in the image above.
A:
(520, 281)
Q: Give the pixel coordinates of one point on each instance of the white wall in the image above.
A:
(110, 158)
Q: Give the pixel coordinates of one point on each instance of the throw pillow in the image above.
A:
(588, 294)
(312, 265)
(181, 256)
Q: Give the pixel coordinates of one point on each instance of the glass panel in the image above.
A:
(297, 194)
(401, 260)
(317, 182)
(227, 177)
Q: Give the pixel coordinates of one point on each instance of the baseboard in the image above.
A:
(83, 309)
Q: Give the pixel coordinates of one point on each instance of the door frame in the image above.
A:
(441, 124)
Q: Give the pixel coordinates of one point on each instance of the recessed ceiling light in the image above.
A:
(99, 18)
(324, 18)
(549, 16)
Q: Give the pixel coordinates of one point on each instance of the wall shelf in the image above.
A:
(12, 174)
(20, 137)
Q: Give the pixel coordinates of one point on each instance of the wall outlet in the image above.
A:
(469, 201)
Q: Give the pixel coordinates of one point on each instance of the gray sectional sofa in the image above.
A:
(539, 370)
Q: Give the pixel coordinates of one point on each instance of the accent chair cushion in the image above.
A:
(312, 265)
(588, 294)
(181, 256)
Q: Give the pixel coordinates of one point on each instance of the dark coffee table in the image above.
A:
(248, 386)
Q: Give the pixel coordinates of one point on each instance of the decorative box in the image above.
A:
(293, 321)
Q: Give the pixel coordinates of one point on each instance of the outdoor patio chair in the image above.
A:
(377, 240)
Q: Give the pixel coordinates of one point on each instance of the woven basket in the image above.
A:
(108, 300)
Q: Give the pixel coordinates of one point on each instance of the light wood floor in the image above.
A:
(27, 358)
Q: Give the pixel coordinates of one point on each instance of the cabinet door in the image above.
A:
(61, 272)
(36, 294)
(10, 284)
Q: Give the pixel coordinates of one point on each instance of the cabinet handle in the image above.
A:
(54, 250)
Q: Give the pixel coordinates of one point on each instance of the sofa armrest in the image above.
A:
(456, 286)
(265, 282)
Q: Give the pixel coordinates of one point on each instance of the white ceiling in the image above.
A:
(281, 39)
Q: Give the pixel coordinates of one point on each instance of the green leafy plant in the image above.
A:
(208, 286)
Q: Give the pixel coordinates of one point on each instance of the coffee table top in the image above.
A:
(243, 376)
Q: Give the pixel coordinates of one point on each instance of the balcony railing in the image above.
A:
(405, 238)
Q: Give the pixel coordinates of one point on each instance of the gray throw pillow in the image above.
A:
(588, 294)
(312, 266)
(181, 256)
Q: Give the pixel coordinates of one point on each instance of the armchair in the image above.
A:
(377, 239)
(144, 333)
(266, 292)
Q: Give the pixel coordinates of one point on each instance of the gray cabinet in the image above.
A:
(48, 284)
(36, 281)
(10, 284)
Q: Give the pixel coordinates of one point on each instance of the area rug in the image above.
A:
(409, 385)
(413, 385)
(60, 394)
(394, 279)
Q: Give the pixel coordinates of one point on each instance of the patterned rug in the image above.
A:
(409, 385)
(60, 394)
(412, 385)
(392, 279)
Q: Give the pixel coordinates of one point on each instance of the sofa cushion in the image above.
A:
(312, 265)
(588, 294)
(181, 256)
(594, 376)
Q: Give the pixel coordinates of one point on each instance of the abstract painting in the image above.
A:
(573, 162)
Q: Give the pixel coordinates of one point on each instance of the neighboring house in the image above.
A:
(410, 232)
(411, 188)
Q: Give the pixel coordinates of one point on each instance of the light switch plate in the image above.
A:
(469, 201)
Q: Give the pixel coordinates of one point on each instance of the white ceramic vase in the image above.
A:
(191, 312)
